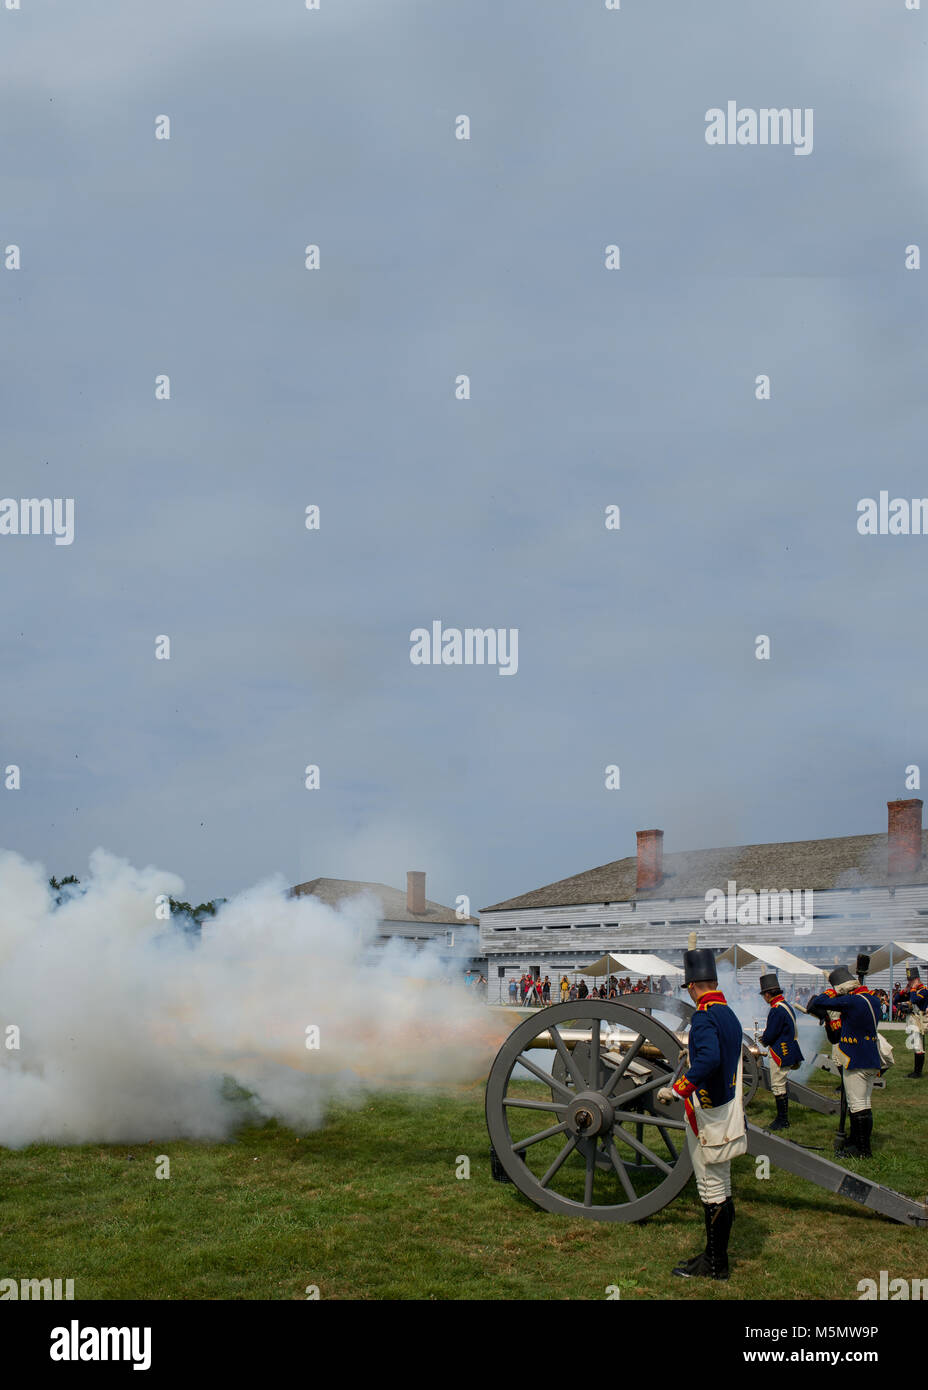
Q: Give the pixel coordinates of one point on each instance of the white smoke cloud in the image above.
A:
(131, 1029)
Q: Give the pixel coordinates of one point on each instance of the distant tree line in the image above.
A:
(178, 909)
(57, 884)
(197, 913)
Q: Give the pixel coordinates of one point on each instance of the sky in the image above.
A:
(335, 387)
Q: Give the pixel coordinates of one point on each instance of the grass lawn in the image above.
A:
(370, 1208)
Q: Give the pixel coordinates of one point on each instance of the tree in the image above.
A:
(195, 914)
(58, 884)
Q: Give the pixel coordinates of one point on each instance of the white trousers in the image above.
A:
(778, 1077)
(858, 1087)
(914, 1032)
(713, 1180)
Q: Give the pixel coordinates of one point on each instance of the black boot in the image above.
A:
(712, 1263)
(865, 1129)
(919, 1064)
(851, 1146)
(782, 1119)
(687, 1268)
(724, 1235)
(690, 1267)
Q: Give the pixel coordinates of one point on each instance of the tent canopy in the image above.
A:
(743, 953)
(642, 964)
(900, 950)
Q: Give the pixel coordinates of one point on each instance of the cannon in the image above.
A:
(609, 1150)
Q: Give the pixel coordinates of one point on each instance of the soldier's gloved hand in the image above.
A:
(666, 1095)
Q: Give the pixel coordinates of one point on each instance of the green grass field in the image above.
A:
(370, 1208)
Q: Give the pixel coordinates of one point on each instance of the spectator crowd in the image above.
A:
(531, 992)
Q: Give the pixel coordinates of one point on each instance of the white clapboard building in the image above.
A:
(411, 916)
(867, 890)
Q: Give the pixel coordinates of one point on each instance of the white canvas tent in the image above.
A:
(745, 953)
(887, 958)
(641, 964)
(894, 952)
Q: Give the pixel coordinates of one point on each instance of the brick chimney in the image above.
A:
(415, 891)
(905, 837)
(650, 859)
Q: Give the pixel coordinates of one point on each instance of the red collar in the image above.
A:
(715, 996)
(861, 989)
(777, 999)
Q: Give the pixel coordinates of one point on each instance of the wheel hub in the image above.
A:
(589, 1113)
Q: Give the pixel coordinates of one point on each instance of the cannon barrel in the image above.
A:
(609, 1042)
(619, 1040)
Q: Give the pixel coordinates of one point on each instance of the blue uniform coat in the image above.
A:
(715, 1049)
(859, 1017)
(918, 998)
(780, 1035)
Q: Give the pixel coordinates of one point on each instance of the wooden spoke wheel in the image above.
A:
(589, 1138)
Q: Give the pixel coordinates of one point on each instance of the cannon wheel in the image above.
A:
(588, 1161)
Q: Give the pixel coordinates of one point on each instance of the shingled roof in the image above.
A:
(853, 861)
(392, 900)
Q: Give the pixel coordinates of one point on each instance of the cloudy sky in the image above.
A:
(335, 387)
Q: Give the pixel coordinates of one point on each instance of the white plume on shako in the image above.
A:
(131, 1029)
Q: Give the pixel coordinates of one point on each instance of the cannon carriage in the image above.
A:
(589, 1137)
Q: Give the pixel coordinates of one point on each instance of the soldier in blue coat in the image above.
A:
(712, 1099)
(917, 1022)
(779, 1037)
(858, 1053)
